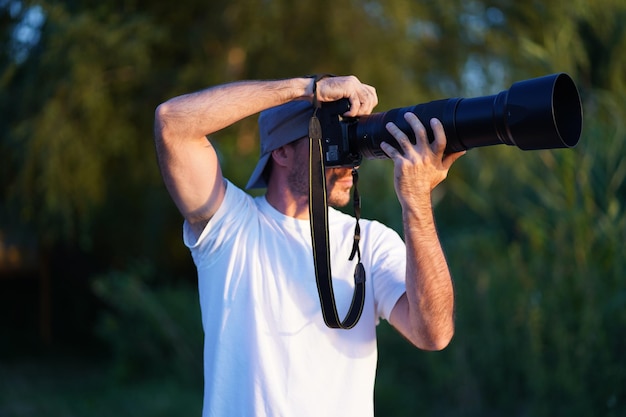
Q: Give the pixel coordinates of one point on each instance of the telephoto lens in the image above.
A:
(539, 113)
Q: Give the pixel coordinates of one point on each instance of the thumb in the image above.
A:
(449, 159)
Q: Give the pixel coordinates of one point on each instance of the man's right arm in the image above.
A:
(187, 160)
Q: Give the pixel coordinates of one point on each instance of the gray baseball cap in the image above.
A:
(279, 126)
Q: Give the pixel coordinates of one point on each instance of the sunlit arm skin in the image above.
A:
(425, 313)
(189, 164)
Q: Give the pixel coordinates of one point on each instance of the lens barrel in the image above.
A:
(539, 113)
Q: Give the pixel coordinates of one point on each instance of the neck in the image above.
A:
(283, 200)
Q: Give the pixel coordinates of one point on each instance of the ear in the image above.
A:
(282, 155)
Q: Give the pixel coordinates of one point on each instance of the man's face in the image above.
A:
(338, 186)
(338, 180)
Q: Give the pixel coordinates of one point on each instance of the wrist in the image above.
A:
(312, 87)
(304, 88)
(417, 213)
(307, 87)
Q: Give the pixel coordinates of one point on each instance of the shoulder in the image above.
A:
(236, 206)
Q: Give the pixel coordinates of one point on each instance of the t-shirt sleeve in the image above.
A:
(388, 268)
(227, 221)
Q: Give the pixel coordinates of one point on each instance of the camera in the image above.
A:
(539, 113)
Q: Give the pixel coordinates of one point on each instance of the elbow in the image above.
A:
(162, 117)
(436, 341)
(439, 344)
(163, 110)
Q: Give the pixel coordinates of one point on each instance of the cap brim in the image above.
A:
(256, 179)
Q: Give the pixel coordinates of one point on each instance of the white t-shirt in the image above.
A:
(267, 350)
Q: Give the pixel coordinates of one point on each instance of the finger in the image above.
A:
(439, 144)
(361, 103)
(369, 99)
(389, 150)
(362, 97)
(421, 138)
(399, 136)
(355, 106)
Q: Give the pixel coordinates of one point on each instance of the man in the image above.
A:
(267, 350)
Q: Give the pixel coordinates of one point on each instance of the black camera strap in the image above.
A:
(318, 215)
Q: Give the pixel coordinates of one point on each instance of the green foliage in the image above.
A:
(70, 386)
(150, 331)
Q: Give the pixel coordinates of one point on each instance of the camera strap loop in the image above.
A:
(356, 201)
(359, 272)
(318, 215)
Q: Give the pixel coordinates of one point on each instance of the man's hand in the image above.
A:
(362, 97)
(421, 167)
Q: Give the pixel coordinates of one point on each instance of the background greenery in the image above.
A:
(535, 240)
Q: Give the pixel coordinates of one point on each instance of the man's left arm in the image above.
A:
(425, 313)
